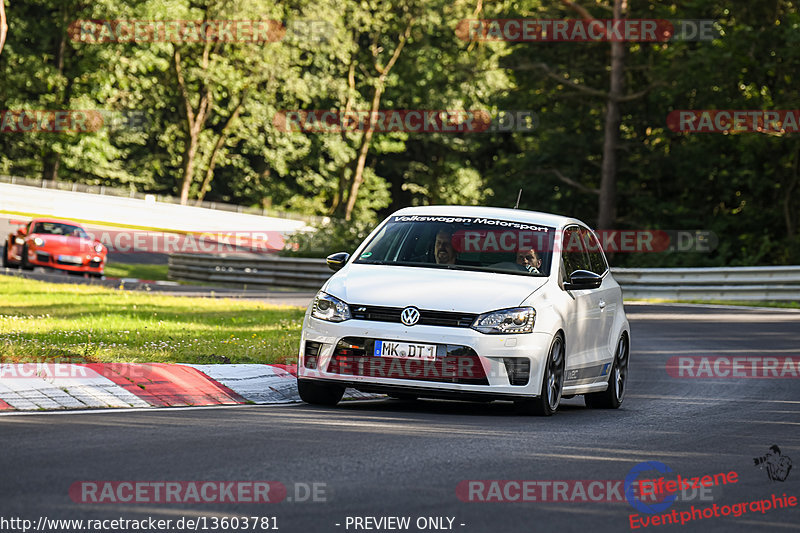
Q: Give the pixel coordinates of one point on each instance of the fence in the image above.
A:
(736, 283)
(724, 283)
(251, 271)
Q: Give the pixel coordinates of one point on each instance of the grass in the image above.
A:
(125, 270)
(773, 303)
(42, 321)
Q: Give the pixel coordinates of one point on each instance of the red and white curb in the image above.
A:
(38, 386)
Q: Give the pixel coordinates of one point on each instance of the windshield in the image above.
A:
(462, 243)
(57, 228)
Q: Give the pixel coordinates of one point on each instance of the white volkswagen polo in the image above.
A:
(472, 303)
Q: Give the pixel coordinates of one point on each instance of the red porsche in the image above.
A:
(58, 244)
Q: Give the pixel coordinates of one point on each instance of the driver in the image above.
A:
(444, 253)
(530, 260)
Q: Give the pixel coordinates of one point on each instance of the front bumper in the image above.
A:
(89, 262)
(483, 356)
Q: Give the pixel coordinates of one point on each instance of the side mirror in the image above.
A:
(22, 231)
(583, 279)
(336, 261)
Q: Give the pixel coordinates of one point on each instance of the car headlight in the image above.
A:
(98, 248)
(516, 320)
(38, 241)
(330, 308)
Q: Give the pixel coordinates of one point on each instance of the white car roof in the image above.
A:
(516, 215)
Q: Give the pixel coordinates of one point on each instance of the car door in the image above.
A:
(583, 315)
(606, 298)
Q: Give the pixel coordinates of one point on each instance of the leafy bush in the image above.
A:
(334, 236)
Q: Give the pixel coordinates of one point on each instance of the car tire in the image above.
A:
(24, 264)
(552, 382)
(612, 397)
(319, 393)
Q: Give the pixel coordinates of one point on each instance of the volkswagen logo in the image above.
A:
(409, 316)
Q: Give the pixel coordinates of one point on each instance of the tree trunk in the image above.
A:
(195, 122)
(51, 164)
(607, 208)
(341, 186)
(52, 160)
(3, 25)
(188, 166)
(366, 140)
(788, 212)
(212, 162)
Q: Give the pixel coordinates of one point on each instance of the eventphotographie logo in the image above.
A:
(776, 464)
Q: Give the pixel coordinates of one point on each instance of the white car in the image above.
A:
(472, 303)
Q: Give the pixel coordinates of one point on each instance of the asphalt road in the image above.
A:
(393, 458)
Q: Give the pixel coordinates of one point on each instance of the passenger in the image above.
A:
(444, 253)
(530, 260)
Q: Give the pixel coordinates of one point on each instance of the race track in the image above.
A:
(394, 458)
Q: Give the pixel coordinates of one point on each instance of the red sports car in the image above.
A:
(58, 244)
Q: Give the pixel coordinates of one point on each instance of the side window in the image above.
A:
(596, 259)
(574, 252)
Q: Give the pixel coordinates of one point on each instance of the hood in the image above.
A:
(431, 288)
(65, 241)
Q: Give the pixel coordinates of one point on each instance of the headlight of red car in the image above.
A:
(98, 248)
(38, 241)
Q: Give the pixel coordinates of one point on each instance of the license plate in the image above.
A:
(70, 259)
(405, 350)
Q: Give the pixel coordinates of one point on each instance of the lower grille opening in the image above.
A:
(518, 370)
(463, 370)
(454, 364)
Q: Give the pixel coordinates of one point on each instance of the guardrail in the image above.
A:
(725, 283)
(722, 283)
(249, 270)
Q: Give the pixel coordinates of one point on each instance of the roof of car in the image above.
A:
(518, 215)
(57, 221)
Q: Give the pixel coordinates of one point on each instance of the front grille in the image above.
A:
(453, 364)
(426, 318)
(42, 257)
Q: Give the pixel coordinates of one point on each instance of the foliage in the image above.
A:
(745, 187)
(336, 235)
